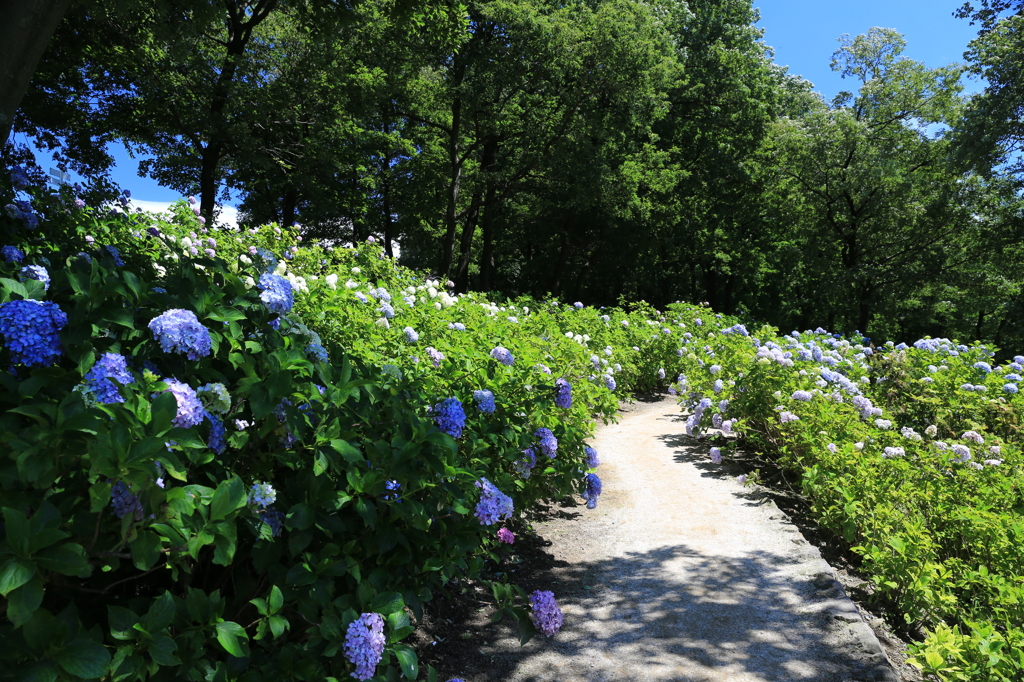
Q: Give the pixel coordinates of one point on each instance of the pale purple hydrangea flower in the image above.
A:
(547, 442)
(592, 490)
(411, 336)
(190, 409)
(506, 536)
(545, 614)
(788, 417)
(435, 356)
(716, 455)
(494, 505)
(890, 453)
(525, 465)
(973, 436)
(502, 355)
(364, 644)
(804, 396)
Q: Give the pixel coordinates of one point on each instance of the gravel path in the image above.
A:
(682, 574)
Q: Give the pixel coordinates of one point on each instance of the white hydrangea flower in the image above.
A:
(356, 271)
(351, 285)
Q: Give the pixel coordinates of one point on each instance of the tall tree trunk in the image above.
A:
(490, 159)
(563, 258)
(288, 207)
(451, 214)
(466, 244)
(209, 163)
(25, 30)
(864, 310)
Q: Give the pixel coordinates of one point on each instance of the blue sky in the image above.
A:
(803, 34)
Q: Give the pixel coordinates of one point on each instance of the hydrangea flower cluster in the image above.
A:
(36, 272)
(716, 455)
(262, 494)
(30, 330)
(545, 614)
(435, 356)
(547, 442)
(563, 393)
(317, 353)
(190, 409)
(592, 490)
(411, 336)
(115, 253)
(277, 293)
(364, 644)
(124, 501)
(494, 505)
(484, 401)
(274, 519)
(593, 461)
(179, 331)
(12, 254)
(525, 465)
(450, 417)
(803, 396)
(110, 368)
(502, 355)
(609, 382)
(506, 536)
(218, 432)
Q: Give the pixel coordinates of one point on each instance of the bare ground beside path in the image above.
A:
(682, 574)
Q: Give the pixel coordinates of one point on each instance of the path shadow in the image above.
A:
(676, 614)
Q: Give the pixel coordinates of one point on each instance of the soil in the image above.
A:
(457, 637)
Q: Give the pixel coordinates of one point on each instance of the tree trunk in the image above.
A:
(864, 310)
(490, 158)
(465, 246)
(563, 258)
(210, 161)
(25, 31)
(288, 206)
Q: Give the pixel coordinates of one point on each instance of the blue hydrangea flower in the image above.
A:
(1010, 388)
(593, 461)
(262, 495)
(804, 396)
(265, 260)
(364, 644)
(179, 331)
(494, 505)
(276, 293)
(19, 178)
(218, 443)
(547, 442)
(115, 254)
(716, 455)
(609, 382)
(563, 393)
(457, 326)
(317, 353)
(274, 519)
(526, 464)
(410, 335)
(12, 254)
(484, 401)
(124, 501)
(450, 417)
(544, 612)
(110, 368)
(592, 490)
(983, 366)
(502, 355)
(190, 409)
(36, 272)
(31, 331)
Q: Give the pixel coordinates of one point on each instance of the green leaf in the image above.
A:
(84, 658)
(160, 613)
(15, 573)
(163, 649)
(23, 602)
(68, 559)
(122, 622)
(349, 452)
(229, 496)
(368, 510)
(387, 603)
(145, 550)
(407, 659)
(162, 411)
(278, 624)
(18, 534)
(229, 635)
(276, 599)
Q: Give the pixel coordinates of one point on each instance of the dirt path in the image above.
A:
(682, 574)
